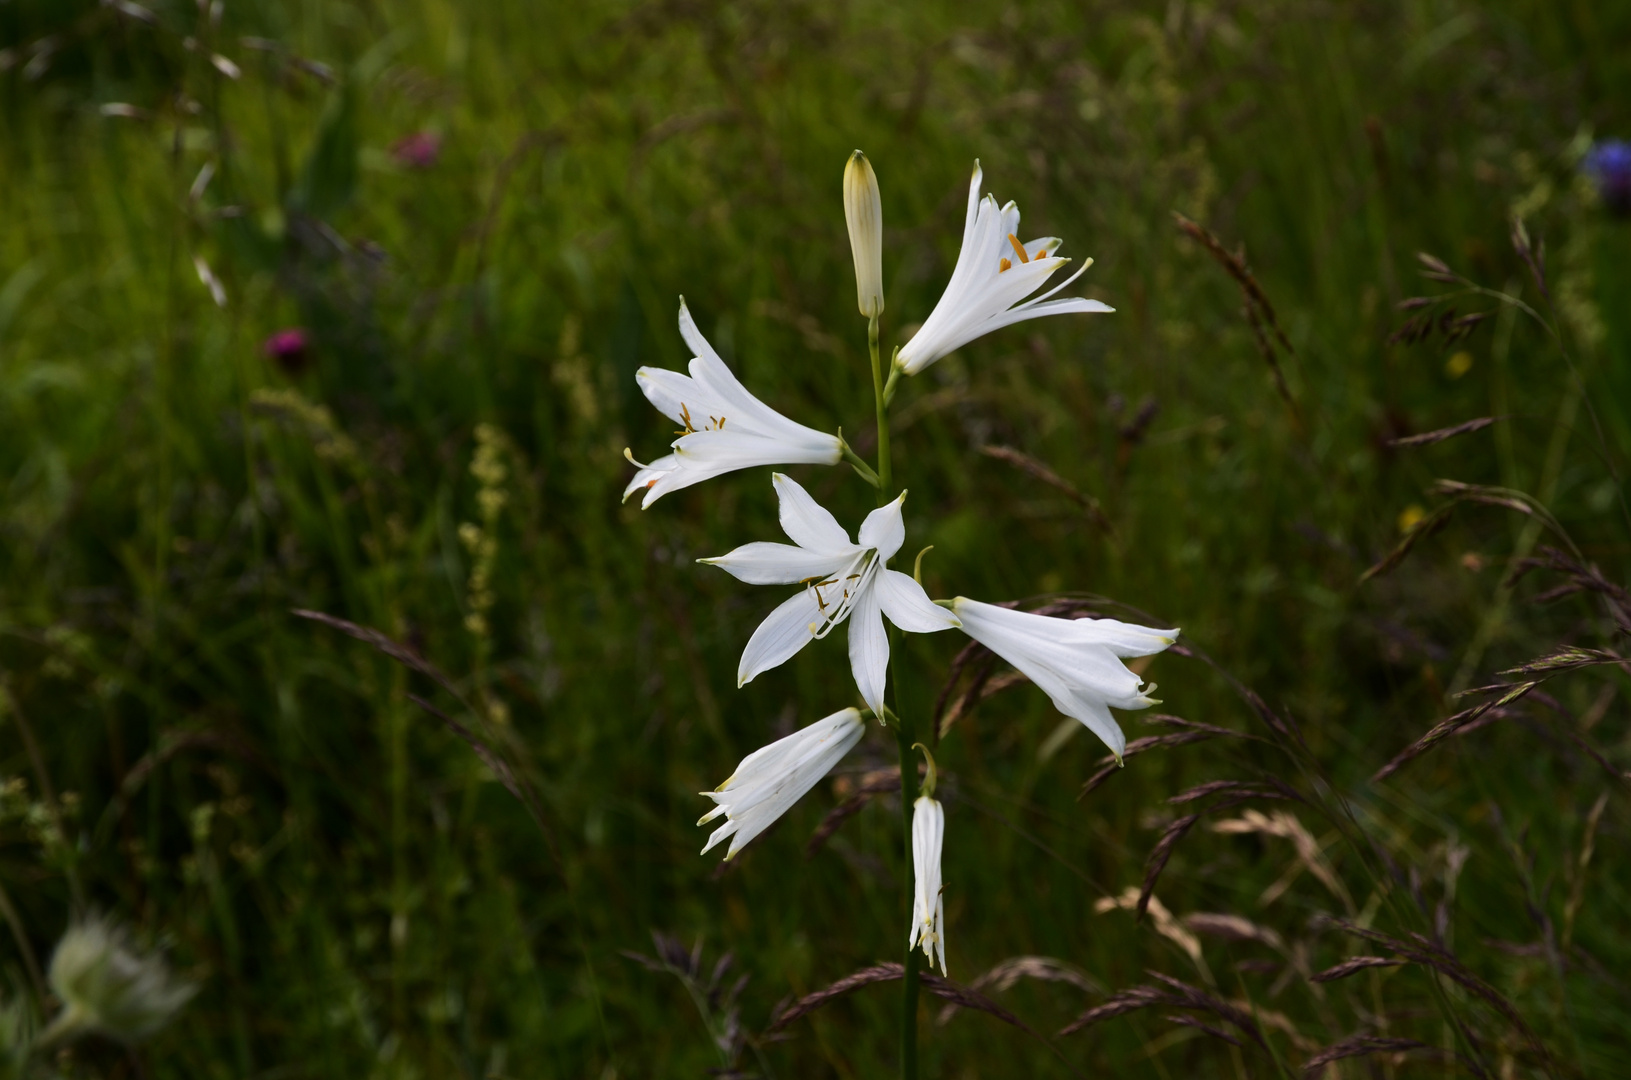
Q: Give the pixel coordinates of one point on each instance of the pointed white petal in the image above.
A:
(764, 563)
(1025, 314)
(1123, 639)
(648, 476)
(675, 471)
(675, 395)
(973, 202)
(693, 337)
(884, 529)
(784, 632)
(909, 607)
(806, 522)
(869, 648)
(1093, 712)
(743, 450)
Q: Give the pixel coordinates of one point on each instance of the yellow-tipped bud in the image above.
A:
(863, 211)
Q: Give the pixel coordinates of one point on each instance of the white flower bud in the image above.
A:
(108, 987)
(928, 903)
(863, 210)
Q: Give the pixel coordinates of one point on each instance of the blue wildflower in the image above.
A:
(1608, 164)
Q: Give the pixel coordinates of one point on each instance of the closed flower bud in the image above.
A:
(863, 210)
(109, 987)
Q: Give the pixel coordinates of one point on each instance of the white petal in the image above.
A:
(1124, 639)
(744, 450)
(672, 393)
(806, 522)
(717, 397)
(869, 648)
(973, 202)
(675, 471)
(649, 476)
(693, 337)
(909, 607)
(884, 529)
(764, 563)
(784, 632)
(1024, 314)
(1096, 716)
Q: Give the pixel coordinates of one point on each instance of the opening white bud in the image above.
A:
(863, 211)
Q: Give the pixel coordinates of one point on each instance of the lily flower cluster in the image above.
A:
(724, 428)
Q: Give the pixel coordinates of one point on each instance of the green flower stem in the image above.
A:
(904, 738)
(903, 730)
(894, 376)
(858, 463)
(884, 488)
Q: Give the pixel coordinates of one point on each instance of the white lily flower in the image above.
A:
(842, 580)
(928, 905)
(1076, 662)
(774, 777)
(994, 273)
(725, 427)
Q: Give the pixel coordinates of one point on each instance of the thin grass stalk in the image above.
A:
(1562, 428)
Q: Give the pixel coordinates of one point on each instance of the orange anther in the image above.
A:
(1019, 248)
(1004, 264)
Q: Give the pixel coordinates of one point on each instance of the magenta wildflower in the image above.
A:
(289, 349)
(419, 150)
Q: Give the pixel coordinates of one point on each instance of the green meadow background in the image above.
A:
(357, 894)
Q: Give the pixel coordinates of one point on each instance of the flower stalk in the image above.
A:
(883, 411)
(862, 467)
(904, 734)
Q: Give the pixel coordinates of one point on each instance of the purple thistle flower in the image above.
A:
(419, 150)
(288, 349)
(1608, 163)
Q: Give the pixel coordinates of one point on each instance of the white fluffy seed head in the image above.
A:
(109, 986)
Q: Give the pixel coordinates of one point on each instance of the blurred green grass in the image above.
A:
(353, 888)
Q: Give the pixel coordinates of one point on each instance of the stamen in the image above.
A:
(685, 414)
(840, 609)
(1004, 264)
(1019, 248)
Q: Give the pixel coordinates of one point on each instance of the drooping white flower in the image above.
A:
(108, 986)
(928, 904)
(842, 580)
(774, 777)
(1076, 662)
(725, 428)
(994, 273)
(863, 213)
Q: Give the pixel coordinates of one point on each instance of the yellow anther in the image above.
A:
(1019, 248)
(1004, 264)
